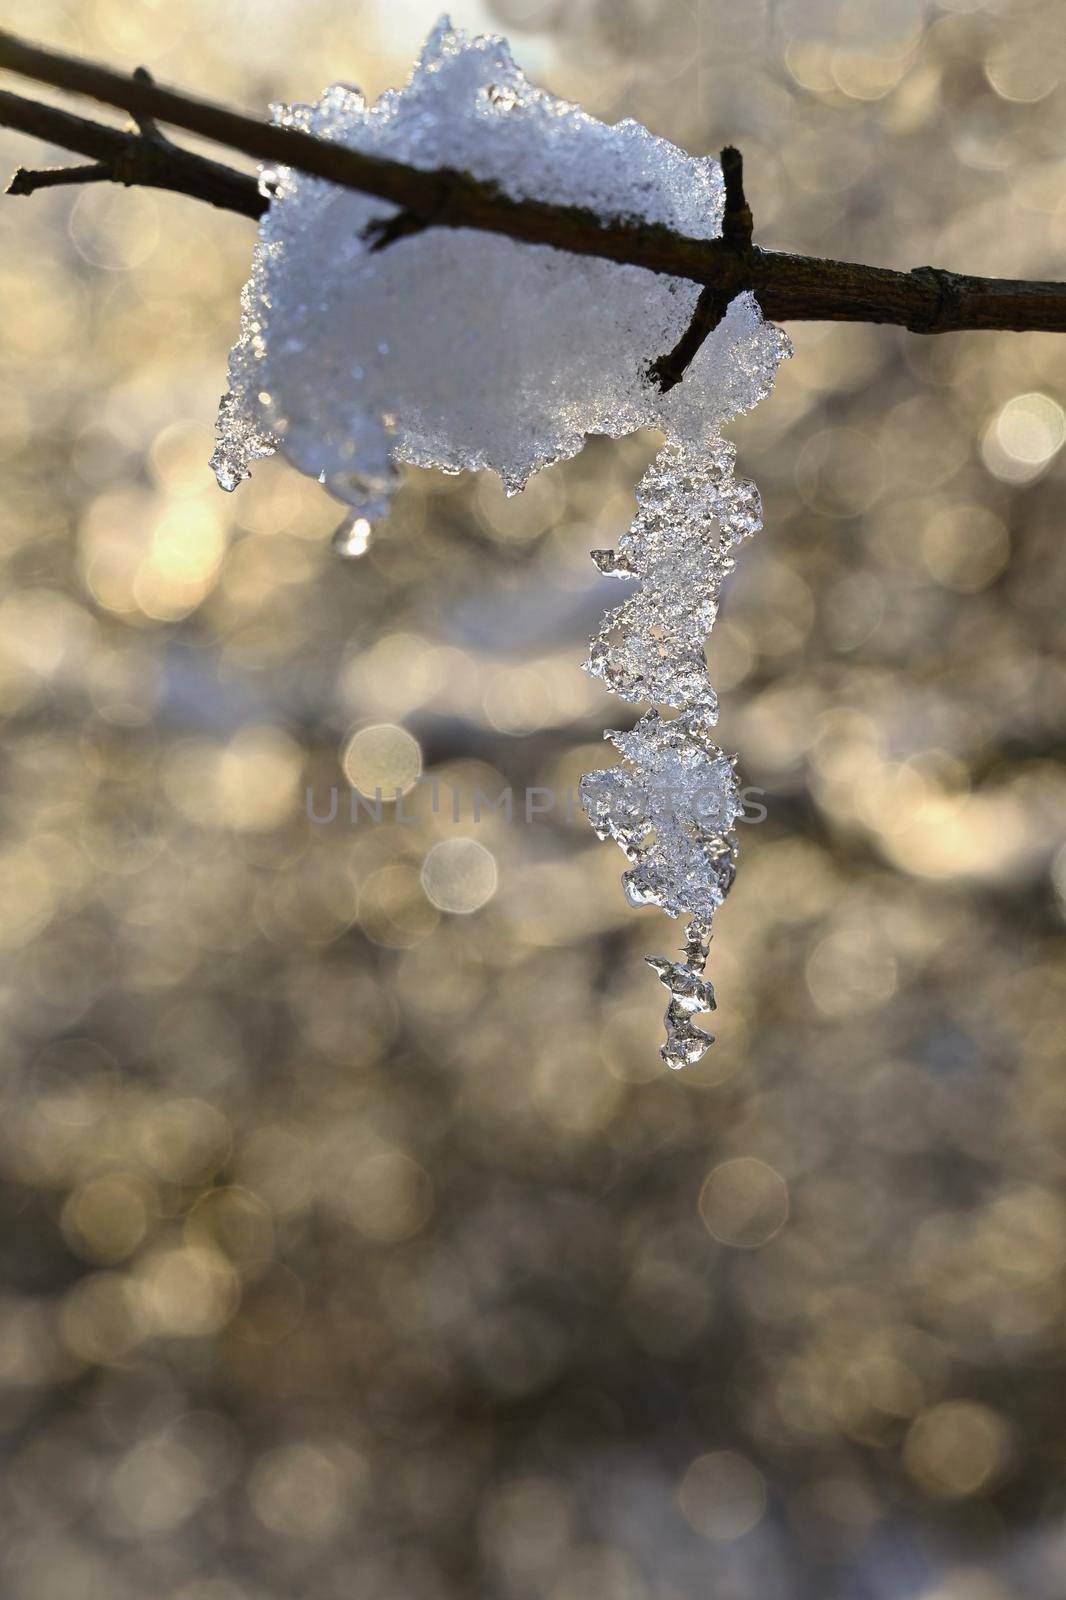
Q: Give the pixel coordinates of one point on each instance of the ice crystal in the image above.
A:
(461, 349)
(691, 513)
(671, 805)
(690, 993)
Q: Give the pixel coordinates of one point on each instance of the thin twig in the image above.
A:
(713, 303)
(788, 287)
(737, 223)
(27, 180)
(148, 125)
(669, 369)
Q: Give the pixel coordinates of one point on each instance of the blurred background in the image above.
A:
(358, 1246)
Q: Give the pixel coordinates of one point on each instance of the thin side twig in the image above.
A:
(27, 180)
(713, 302)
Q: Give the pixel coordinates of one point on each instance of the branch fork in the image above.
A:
(713, 303)
(143, 159)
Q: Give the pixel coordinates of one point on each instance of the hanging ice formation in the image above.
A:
(673, 802)
(456, 349)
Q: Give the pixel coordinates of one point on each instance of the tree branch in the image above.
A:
(788, 287)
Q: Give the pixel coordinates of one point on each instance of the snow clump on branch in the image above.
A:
(460, 349)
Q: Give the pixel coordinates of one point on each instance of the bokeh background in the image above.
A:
(357, 1244)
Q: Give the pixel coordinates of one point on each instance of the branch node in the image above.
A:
(944, 314)
(711, 307)
(130, 166)
(380, 232)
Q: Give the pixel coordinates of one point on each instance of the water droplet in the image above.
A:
(352, 537)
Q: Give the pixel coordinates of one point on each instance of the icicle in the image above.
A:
(673, 802)
(690, 994)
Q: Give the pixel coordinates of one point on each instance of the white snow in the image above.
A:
(454, 348)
